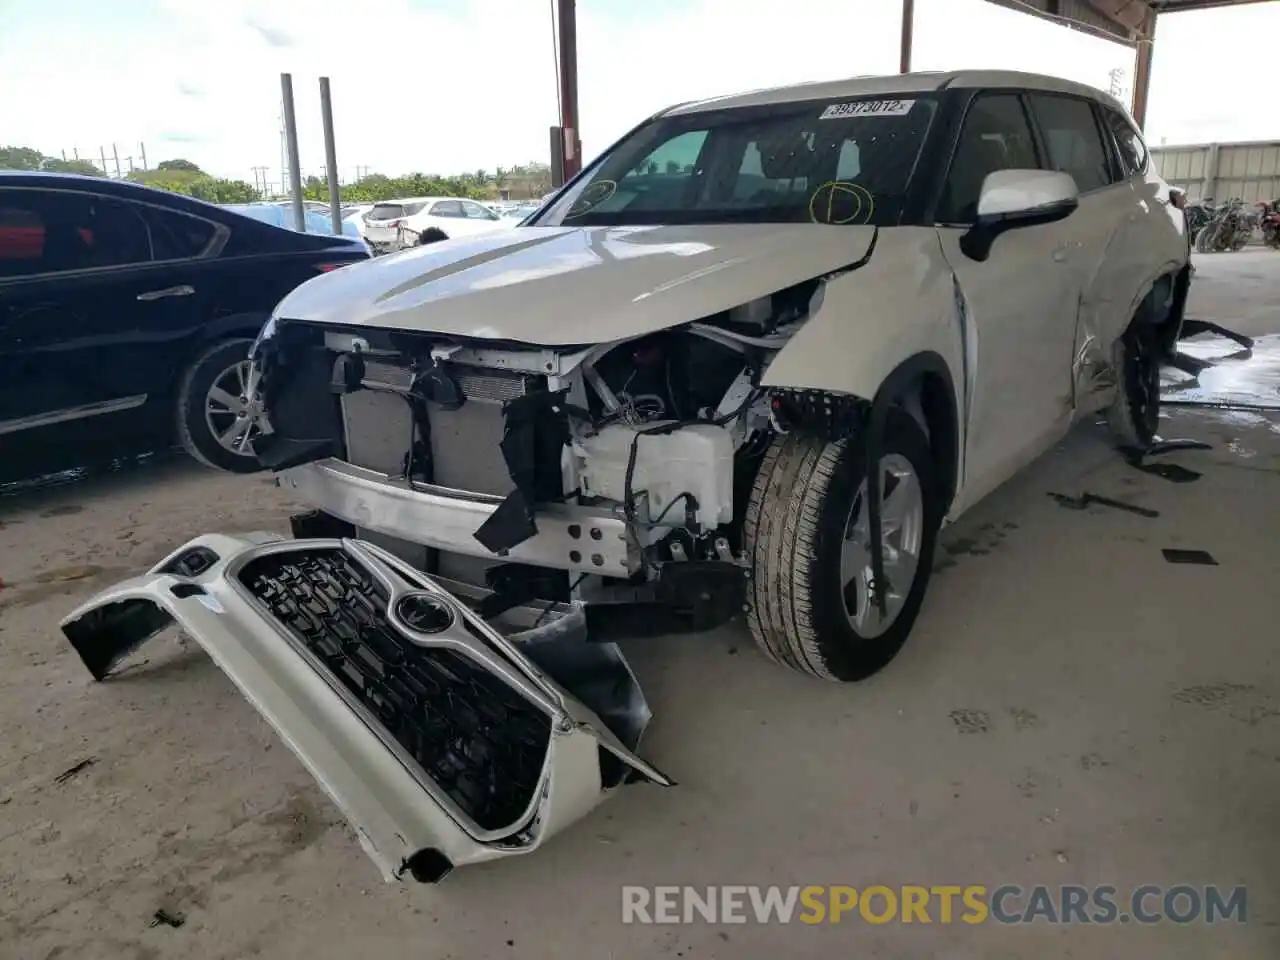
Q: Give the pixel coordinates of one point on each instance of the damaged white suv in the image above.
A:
(751, 359)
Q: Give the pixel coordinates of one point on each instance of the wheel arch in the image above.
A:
(922, 384)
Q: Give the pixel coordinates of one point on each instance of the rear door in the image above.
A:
(479, 218)
(1098, 248)
(1019, 303)
(447, 215)
(1159, 240)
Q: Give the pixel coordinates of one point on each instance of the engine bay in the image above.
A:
(660, 434)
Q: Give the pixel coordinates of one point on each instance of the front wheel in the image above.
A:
(808, 536)
(217, 419)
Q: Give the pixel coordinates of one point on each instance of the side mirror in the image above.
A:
(1011, 199)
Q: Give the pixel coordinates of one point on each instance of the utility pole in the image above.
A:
(142, 147)
(330, 156)
(291, 141)
(116, 153)
(106, 171)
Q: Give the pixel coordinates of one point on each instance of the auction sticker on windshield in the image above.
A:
(868, 108)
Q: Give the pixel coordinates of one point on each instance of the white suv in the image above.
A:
(393, 224)
(733, 311)
(753, 357)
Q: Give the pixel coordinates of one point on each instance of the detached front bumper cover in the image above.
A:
(443, 742)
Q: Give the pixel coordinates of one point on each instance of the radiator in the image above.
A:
(466, 448)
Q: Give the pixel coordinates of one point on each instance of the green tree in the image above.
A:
(85, 167)
(21, 158)
(25, 158)
(178, 164)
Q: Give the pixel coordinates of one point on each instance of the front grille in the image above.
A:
(468, 730)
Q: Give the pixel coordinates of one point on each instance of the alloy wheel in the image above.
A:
(233, 410)
(902, 536)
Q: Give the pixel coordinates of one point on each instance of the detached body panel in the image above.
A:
(440, 740)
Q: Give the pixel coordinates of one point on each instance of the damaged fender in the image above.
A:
(850, 346)
(443, 742)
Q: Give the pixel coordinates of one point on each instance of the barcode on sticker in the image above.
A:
(868, 108)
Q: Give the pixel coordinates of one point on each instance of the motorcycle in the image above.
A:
(1230, 229)
(1199, 213)
(1269, 223)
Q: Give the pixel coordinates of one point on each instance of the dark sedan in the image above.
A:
(126, 314)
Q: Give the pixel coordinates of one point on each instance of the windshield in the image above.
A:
(847, 162)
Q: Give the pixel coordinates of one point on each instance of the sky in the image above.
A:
(444, 86)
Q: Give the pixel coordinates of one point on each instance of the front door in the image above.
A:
(87, 319)
(1019, 305)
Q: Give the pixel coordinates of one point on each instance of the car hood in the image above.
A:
(554, 286)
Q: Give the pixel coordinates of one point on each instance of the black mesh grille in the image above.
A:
(470, 732)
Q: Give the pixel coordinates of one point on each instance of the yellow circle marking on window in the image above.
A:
(595, 194)
(827, 195)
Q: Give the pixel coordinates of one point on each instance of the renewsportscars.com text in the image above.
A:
(973, 904)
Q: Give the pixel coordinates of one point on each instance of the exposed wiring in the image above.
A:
(551, 603)
(686, 495)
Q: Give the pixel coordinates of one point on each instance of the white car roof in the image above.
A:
(894, 84)
(420, 200)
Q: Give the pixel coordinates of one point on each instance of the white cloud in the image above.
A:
(471, 83)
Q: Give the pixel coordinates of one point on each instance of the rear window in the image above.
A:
(387, 211)
(177, 236)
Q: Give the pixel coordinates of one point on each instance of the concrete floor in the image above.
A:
(1071, 709)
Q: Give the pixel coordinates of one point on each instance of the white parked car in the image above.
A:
(393, 224)
(753, 358)
(354, 214)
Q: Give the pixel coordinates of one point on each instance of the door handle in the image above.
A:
(182, 290)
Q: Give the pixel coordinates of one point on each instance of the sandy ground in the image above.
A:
(1071, 709)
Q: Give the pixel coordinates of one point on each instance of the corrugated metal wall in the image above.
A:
(1250, 171)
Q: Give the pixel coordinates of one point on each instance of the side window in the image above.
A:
(674, 158)
(1073, 139)
(22, 236)
(447, 208)
(79, 232)
(475, 211)
(177, 236)
(1133, 152)
(995, 136)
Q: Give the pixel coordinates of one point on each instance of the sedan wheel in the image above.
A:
(231, 414)
(219, 413)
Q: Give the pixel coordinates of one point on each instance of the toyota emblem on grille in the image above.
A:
(424, 613)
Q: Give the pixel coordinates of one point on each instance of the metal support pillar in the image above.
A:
(567, 44)
(908, 29)
(557, 157)
(1142, 69)
(291, 145)
(330, 156)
